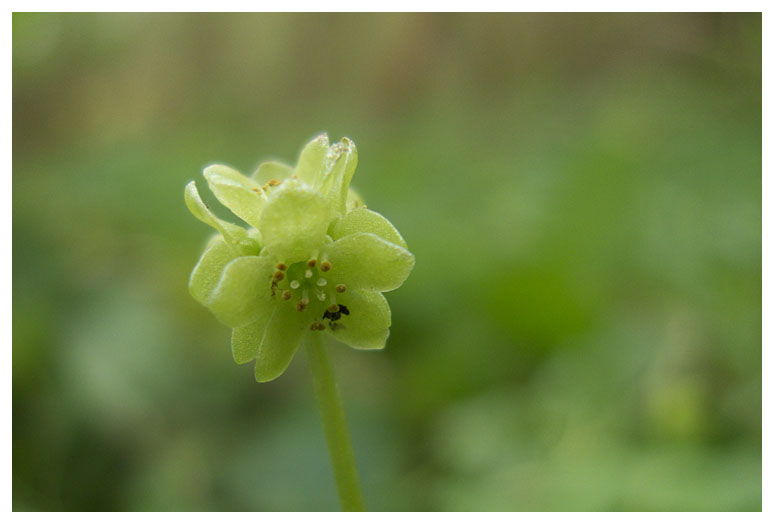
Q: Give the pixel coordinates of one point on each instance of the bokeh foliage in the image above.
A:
(582, 330)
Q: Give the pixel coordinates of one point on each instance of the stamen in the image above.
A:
(325, 266)
(333, 308)
(281, 267)
(321, 282)
(317, 326)
(302, 305)
(278, 276)
(312, 262)
(287, 295)
(295, 284)
(340, 288)
(308, 274)
(320, 294)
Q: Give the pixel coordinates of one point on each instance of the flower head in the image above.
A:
(313, 259)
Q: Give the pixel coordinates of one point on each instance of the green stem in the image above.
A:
(334, 424)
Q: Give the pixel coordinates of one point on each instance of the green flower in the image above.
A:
(313, 259)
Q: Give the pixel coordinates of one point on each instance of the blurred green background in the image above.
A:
(582, 330)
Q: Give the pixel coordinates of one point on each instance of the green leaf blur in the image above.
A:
(581, 331)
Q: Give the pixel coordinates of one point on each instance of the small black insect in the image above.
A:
(334, 316)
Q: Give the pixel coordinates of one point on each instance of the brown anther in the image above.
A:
(281, 267)
(333, 308)
(317, 326)
(312, 262)
(257, 190)
(325, 266)
(340, 288)
(272, 182)
(302, 305)
(278, 276)
(286, 295)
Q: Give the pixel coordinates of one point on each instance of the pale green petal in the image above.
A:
(272, 169)
(281, 339)
(368, 325)
(244, 291)
(294, 222)
(237, 192)
(363, 260)
(231, 232)
(256, 236)
(340, 167)
(246, 340)
(362, 220)
(312, 160)
(207, 272)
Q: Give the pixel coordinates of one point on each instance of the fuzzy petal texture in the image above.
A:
(244, 291)
(237, 192)
(282, 337)
(362, 220)
(294, 222)
(367, 327)
(365, 261)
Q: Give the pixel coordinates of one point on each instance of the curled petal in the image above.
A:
(368, 324)
(237, 192)
(312, 161)
(294, 222)
(231, 232)
(365, 261)
(362, 220)
(243, 292)
(280, 340)
(342, 158)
